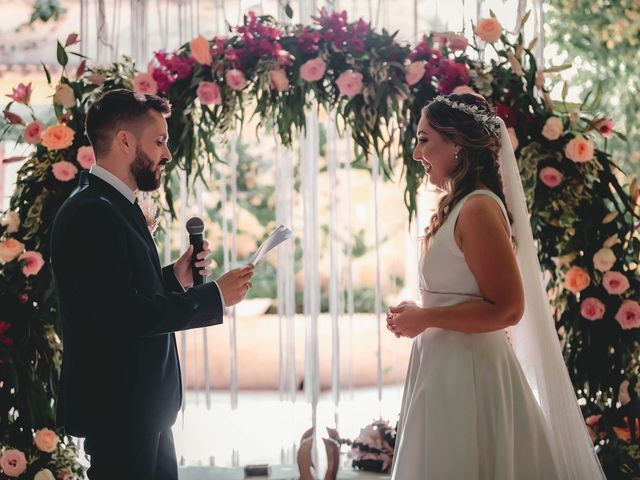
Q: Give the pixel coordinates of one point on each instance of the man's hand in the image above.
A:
(182, 267)
(235, 284)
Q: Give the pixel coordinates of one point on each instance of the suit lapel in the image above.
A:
(130, 211)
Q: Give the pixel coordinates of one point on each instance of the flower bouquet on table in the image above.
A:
(373, 449)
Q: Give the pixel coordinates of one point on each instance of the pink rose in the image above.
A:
(46, 440)
(462, 89)
(458, 43)
(10, 249)
(579, 149)
(414, 72)
(604, 259)
(235, 79)
(592, 309)
(21, 94)
(33, 133)
(145, 83)
(201, 50)
(551, 177)
(313, 70)
(64, 96)
(615, 283)
(86, 157)
(64, 171)
(593, 420)
(350, 83)
(209, 93)
(628, 315)
(34, 263)
(13, 462)
(605, 126)
(278, 80)
(489, 29)
(553, 128)
(576, 279)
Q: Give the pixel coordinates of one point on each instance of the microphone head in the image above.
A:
(195, 226)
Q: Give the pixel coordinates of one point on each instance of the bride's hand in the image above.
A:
(406, 320)
(390, 324)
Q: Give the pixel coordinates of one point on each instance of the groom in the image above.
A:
(121, 385)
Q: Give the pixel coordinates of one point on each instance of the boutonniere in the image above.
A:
(149, 209)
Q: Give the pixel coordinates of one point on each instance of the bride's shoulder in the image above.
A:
(481, 212)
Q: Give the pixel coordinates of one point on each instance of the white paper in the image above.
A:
(278, 236)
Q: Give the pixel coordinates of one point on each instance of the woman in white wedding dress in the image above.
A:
(468, 410)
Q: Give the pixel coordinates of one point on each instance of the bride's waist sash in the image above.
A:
(431, 298)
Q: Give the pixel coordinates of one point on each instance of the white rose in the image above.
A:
(553, 128)
(604, 259)
(11, 220)
(44, 474)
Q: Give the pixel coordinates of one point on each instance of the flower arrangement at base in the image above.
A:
(373, 449)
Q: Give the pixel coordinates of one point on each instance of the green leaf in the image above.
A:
(288, 11)
(525, 18)
(46, 71)
(63, 59)
(492, 14)
(565, 90)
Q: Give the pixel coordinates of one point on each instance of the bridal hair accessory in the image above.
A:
(480, 115)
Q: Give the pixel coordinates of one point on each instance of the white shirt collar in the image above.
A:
(114, 181)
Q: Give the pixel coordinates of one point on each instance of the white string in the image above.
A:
(349, 255)
(233, 165)
(375, 167)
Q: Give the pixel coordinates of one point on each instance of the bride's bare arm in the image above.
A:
(484, 240)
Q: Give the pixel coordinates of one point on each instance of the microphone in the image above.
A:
(195, 227)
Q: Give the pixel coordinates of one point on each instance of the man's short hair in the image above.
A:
(116, 110)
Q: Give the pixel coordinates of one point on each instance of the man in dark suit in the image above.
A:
(121, 385)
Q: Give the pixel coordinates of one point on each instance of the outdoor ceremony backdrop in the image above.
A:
(335, 95)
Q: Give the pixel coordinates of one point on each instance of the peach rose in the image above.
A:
(551, 177)
(579, 149)
(628, 315)
(145, 83)
(458, 43)
(201, 50)
(350, 83)
(462, 89)
(64, 96)
(576, 279)
(615, 283)
(64, 171)
(46, 440)
(11, 220)
(57, 137)
(235, 79)
(13, 463)
(209, 93)
(278, 80)
(593, 420)
(32, 133)
(414, 72)
(489, 29)
(34, 263)
(64, 474)
(592, 309)
(604, 259)
(553, 128)
(86, 157)
(313, 70)
(10, 249)
(44, 474)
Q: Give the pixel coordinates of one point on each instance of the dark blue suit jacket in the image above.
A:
(119, 309)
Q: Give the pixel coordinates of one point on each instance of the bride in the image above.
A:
(475, 406)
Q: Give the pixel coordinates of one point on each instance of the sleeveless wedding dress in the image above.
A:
(467, 409)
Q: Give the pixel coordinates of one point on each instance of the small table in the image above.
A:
(278, 472)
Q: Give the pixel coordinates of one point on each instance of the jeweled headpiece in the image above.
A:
(480, 115)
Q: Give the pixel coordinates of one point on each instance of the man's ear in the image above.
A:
(125, 142)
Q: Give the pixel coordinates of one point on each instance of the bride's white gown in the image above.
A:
(467, 410)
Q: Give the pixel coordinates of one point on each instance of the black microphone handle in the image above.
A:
(196, 241)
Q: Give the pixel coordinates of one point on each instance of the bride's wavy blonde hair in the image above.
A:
(477, 158)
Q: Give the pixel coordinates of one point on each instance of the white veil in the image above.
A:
(535, 341)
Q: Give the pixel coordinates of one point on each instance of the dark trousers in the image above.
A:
(132, 456)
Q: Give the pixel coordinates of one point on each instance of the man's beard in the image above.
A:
(146, 177)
